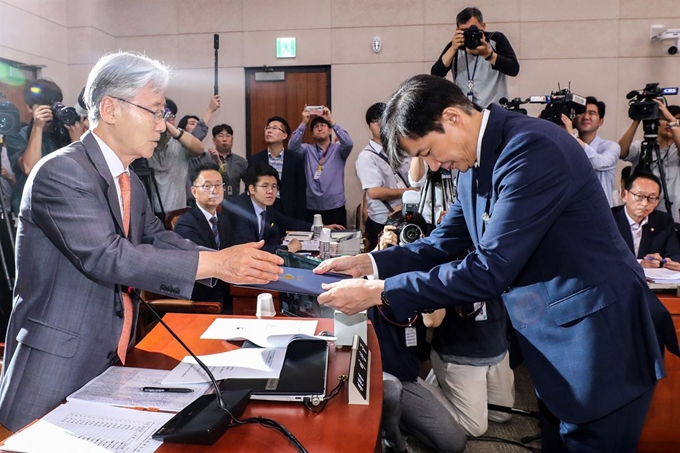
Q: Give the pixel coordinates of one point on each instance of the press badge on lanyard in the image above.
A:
(317, 173)
(482, 311)
(411, 336)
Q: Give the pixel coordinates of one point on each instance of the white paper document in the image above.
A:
(266, 333)
(93, 428)
(239, 363)
(662, 275)
(122, 386)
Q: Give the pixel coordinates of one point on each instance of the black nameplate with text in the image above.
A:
(360, 377)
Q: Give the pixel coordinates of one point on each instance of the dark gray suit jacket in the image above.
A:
(72, 260)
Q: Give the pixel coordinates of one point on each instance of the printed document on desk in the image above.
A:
(266, 333)
(299, 281)
(93, 428)
(662, 275)
(122, 386)
(239, 363)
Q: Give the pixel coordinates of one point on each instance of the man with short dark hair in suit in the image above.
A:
(649, 233)
(204, 225)
(252, 215)
(590, 330)
(291, 198)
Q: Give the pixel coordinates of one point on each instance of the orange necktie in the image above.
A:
(124, 341)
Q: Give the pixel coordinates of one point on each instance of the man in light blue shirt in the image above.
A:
(603, 154)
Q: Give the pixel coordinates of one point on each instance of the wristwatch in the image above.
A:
(675, 123)
(181, 132)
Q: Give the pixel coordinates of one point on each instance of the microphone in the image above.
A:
(216, 46)
(206, 419)
(503, 100)
(631, 94)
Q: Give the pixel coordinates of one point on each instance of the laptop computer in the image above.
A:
(303, 376)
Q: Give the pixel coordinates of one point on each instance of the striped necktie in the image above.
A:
(124, 341)
(215, 231)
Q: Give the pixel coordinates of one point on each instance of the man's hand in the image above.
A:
(352, 296)
(75, 131)
(334, 226)
(652, 260)
(356, 266)
(305, 116)
(458, 40)
(214, 103)
(326, 114)
(215, 155)
(240, 264)
(483, 50)
(388, 237)
(42, 114)
(672, 265)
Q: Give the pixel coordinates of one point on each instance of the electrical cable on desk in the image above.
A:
(269, 423)
(309, 403)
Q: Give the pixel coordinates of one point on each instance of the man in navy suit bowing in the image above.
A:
(204, 225)
(545, 244)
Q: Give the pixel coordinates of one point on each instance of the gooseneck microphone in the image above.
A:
(207, 418)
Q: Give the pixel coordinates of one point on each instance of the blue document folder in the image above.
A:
(299, 281)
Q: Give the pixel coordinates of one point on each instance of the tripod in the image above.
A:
(439, 191)
(148, 178)
(6, 263)
(649, 150)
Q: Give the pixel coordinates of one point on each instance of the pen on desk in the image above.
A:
(166, 390)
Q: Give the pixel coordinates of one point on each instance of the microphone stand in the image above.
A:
(206, 419)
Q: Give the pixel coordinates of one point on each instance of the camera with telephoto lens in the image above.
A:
(641, 103)
(558, 103)
(63, 116)
(10, 120)
(409, 223)
(473, 37)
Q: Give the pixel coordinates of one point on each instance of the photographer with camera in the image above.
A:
(603, 154)
(480, 60)
(53, 126)
(668, 139)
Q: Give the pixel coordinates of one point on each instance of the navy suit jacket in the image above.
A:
(247, 225)
(193, 225)
(658, 234)
(547, 245)
(293, 182)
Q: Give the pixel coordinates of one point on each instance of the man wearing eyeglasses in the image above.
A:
(649, 233)
(252, 214)
(87, 234)
(291, 199)
(205, 226)
(170, 162)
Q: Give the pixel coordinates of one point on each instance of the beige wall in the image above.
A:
(602, 47)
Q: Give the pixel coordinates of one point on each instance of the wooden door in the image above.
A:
(301, 85)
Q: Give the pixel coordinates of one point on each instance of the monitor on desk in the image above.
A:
(299, 304)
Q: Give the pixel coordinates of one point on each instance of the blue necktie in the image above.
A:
(215, 231)
(263, 216)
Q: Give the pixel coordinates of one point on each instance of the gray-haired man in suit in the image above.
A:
(86, 231)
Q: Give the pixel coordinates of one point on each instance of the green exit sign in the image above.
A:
(285, 47)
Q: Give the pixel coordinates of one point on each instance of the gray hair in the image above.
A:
(122, 75)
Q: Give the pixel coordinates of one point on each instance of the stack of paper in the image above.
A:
(662, 275)
(83, 427)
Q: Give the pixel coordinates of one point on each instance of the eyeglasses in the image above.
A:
(267, 187)
(651, 199)
(209, 187)
(158, 115)
(267, 128)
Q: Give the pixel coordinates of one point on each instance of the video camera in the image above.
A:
(560, 102)
(409, 223)
(473, 37)
(10, 119)
(641, 102)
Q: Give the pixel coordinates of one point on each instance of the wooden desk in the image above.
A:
(660, 432)
(340, 427)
